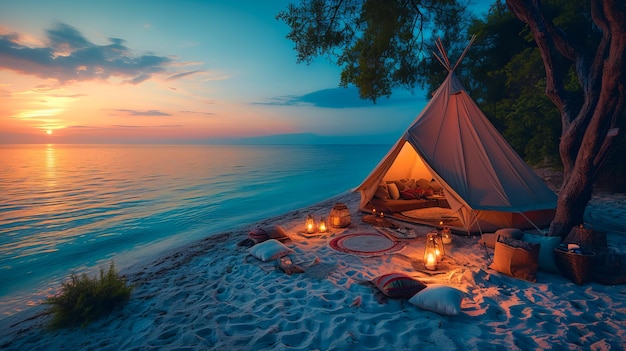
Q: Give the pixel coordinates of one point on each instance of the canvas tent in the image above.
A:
(485, 182)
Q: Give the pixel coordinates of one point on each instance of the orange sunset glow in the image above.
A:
(180, 72)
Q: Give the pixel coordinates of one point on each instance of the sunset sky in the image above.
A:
(155, 71)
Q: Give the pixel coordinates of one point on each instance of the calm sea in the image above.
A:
(73, 208)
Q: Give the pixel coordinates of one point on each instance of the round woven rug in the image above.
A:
(365, 244)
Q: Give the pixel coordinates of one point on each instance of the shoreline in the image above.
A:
(212, 294)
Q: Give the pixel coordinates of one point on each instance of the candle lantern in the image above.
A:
(430, 253)
(446, 234)
(322, 227)
(309, 224)
(434, 249)
(339, 216)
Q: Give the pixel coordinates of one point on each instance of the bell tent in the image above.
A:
(480, 183)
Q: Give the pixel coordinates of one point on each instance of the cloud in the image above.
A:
(338, 98)
(149, 127)
(130, 112)
(199, 113)
(68, 56)
(182, 74)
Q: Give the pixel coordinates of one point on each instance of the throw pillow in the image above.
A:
(510, 233)
(394, 193)
(408, 183)
(408, 194)
(546, 250)
(436, 186)
(276, 232)
(424, 184)
(270, 250)
(516, 258)
(382, 191)
(440, 299)
(398, 285)
(488, 240)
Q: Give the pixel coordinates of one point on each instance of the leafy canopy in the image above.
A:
(379, 44)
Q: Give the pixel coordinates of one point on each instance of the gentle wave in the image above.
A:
(70, 208)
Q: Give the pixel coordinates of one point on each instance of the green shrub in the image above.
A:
(83, 300)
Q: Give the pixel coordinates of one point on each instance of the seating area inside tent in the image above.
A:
(452, 167)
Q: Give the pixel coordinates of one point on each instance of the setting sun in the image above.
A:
(48, 132)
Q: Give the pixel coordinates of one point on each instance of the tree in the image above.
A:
(380, 46)
(598, 54)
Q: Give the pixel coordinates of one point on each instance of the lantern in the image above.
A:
(430, 253)
(433, 251)
(322, 227)
(446, 235)
(339, 216)
(309, 224)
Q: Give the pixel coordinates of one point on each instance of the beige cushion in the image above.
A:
(424, 184)
(436, 186)
(382, 192)
(488, 240)
(270, 250)
(394, 192)
(513, 233)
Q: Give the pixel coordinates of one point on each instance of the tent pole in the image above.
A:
(531, 222)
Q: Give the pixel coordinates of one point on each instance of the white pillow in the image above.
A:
(439, 298)
(546, 250)
(270, 250)
(394, 192)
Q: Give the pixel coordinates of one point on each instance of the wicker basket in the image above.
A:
(575, 266)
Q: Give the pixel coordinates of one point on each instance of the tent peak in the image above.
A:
(442, 57)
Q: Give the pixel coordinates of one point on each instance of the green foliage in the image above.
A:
(378, 43)
(83, 299)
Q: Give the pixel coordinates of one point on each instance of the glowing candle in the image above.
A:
(322, 228)
(309, 224)
(431, 263)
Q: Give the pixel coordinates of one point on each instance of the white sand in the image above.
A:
(214, 295)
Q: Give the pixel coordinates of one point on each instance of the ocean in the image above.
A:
(75, 208)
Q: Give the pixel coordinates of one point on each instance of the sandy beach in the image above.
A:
(214, 295)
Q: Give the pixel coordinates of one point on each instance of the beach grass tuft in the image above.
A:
(83, 299)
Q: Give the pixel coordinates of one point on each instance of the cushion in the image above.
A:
(276, 232)
(259, 235)
(411, 194)
(516, 258)
(546, 250)
(435, 186)
(398, 285)
(382, 191)
(270, 250)
(408, 183)
(488, 239)
(394, 192)
(424, 184)
(510, 233)
(408, 194)
(440, 299)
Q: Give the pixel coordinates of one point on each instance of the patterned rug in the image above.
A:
(365, 244)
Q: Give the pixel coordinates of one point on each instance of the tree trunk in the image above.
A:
(585, 138)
